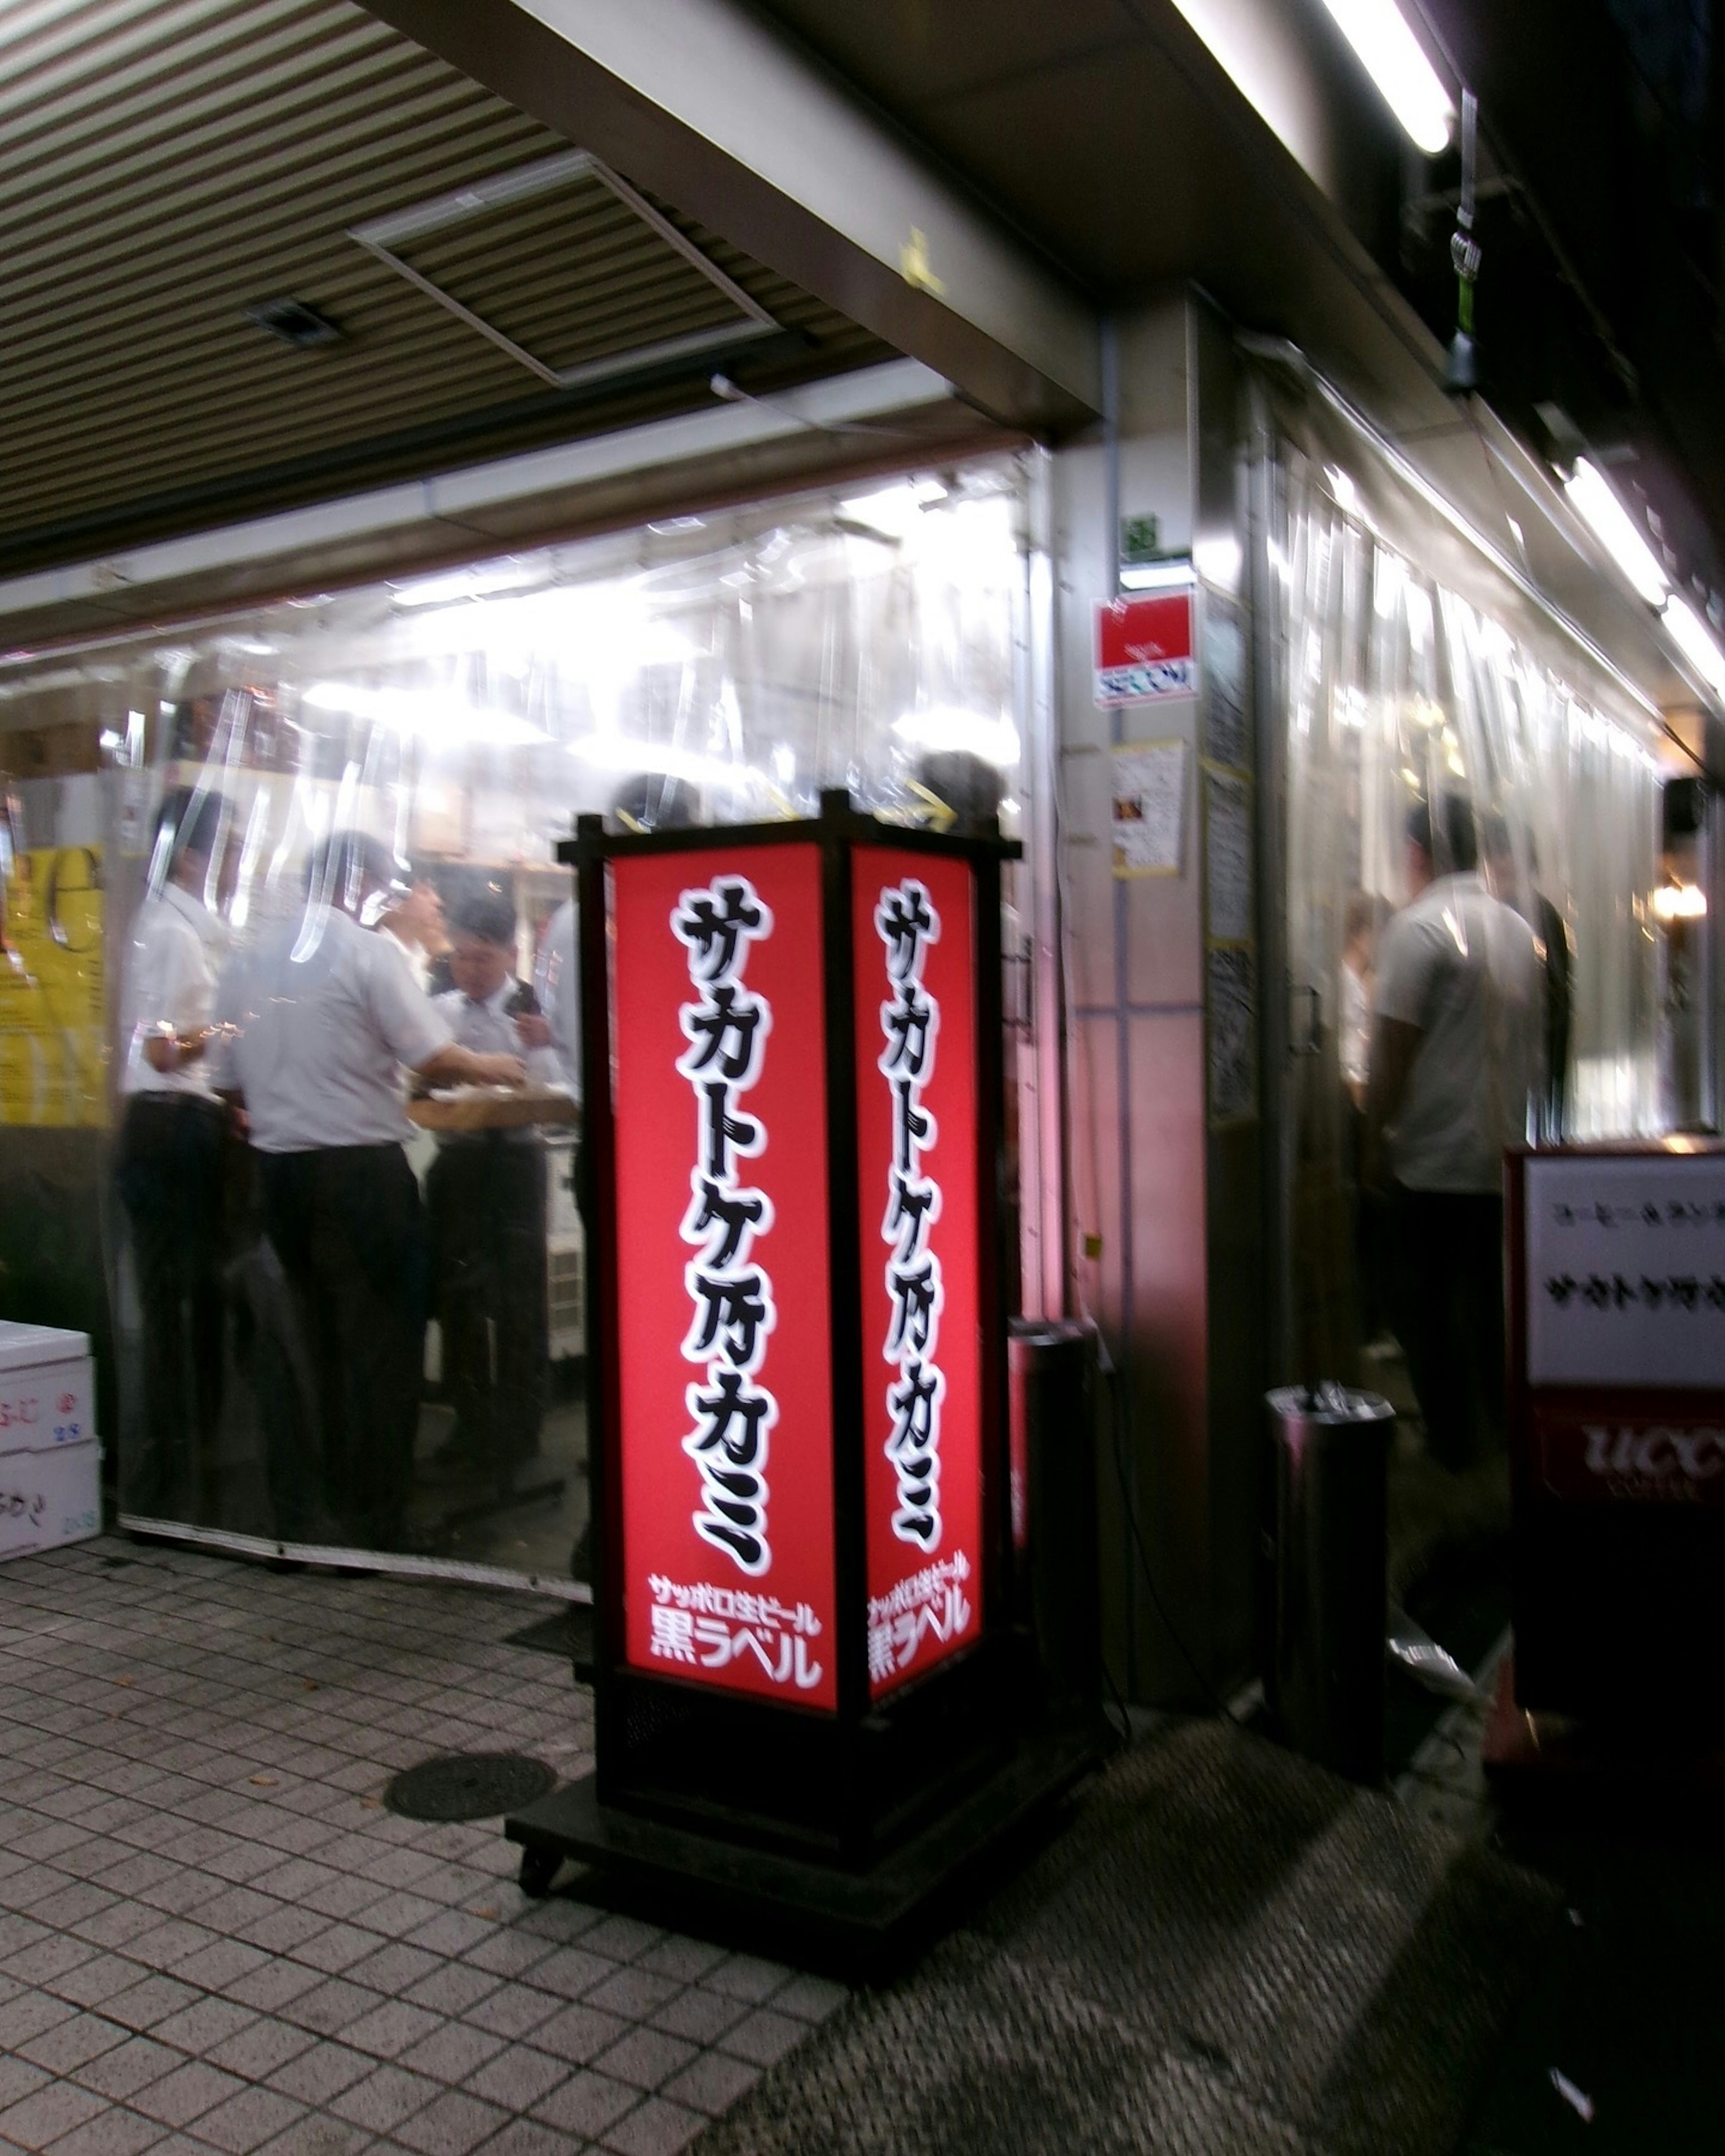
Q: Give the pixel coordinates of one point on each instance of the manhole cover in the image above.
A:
(469, 1785)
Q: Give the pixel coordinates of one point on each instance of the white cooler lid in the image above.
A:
(24, 1347)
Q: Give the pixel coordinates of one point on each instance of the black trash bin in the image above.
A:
(1324, 1683)
(1057, 1593)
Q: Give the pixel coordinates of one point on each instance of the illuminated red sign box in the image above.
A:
(794, 1087)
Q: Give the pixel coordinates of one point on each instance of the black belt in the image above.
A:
(178, 1101)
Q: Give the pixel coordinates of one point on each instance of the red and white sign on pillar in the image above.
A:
(724, 1353)
(1143, 649)
(914, 934)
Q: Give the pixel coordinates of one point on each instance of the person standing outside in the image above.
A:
(323, 1018)
(172, 1153)
(1454, 1066)
(486, 1197)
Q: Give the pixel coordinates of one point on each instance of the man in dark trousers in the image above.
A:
(324, 1017)
(171, 1159)
(486, 1198)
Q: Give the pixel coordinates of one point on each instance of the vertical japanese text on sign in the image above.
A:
(914, 939)
(719, 1106)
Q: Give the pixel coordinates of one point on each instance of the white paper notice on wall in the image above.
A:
(1626, 1270)
(1149, 807)
(1228, 858)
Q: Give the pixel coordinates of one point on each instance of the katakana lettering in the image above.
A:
(715, 923)
(735, 1215)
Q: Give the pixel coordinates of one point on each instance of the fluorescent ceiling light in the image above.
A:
(1393, 58)
(477, 583)
(1154, 575)
(896, 511)
(944, 729)
(1693, 639)
(1616, 531)
(623, 754)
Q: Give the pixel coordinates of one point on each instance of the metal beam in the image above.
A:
(698, 103)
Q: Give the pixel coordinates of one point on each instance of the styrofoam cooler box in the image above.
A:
(50, 1460)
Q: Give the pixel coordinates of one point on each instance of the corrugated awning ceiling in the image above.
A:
(165, 164)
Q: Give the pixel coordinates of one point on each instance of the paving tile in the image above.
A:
(746, 1977)
(258, 2049)
(577, 2034)
(763, 2037)
(451, 2124)
(392, 2027)
(686, 1959)
(809, 1998)
(142, 2004)
(654, 2128)
(623, 1938)
(336, 1948)
(215, 1967)
(110, 2132)
(702, 2016)
(384, 2098)
(570, 1972)
(458, 1931)
(317, 2135)
(115, 1926)
(332, 2008)
(50, 2112)
(452, 2052)
(585, 2104)
(249, 2120)
(70, 2044)
(645, 2057)
(273, 1987)
(18, 2079)
(320, 2075)
(402, 1913)
(187, 2093)
(33, 2013)
(44, 1960)
(129, 2067)
(634, 1992)
(526, 2137)
(283, 1929)
(519, 2077)
(450, 1987)
(711, 2083)
(200, 2027)
(393, 1969)
(512, 2010)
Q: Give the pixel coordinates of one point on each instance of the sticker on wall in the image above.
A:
(1149, 810)
(1227, 738)
(1143, 649)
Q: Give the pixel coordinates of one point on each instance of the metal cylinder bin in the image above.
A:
(1326, 1681)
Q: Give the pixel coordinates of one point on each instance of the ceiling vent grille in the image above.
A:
(563, 266)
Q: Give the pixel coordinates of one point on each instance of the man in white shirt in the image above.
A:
(324, 1016)
(413, 921)
(1454, 1068)
(485, 1196)
(171, 1159)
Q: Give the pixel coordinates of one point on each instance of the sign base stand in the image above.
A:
(858, 1924)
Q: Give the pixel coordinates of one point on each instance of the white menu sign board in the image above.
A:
(1626, 1270)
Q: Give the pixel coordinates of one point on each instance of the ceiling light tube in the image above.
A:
(1395, 60)
(1616, 531)
(1692, 638)
(1155, 575)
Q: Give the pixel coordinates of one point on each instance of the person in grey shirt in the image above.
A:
(1454, 1068)
(320, 1020)
(486, 1200)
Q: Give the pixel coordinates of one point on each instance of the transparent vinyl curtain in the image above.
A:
(1394, 692)
(385, 1354)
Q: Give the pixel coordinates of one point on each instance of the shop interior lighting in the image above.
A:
(1694, 640)
(1395, 60)
(893, 511)
(1616, 531)
(1155, 576)
(1680, 902)
(475, 583)
(427, 713)
(624, 755)
(945, 729)
(1218, 561)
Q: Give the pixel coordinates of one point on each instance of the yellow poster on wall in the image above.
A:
(53, 1001)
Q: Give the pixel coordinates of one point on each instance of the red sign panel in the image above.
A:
(724, 1349)
(1144, 648)
(1595, 1453)
(914, 938)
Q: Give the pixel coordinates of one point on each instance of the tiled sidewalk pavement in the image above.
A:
(212, 1935)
